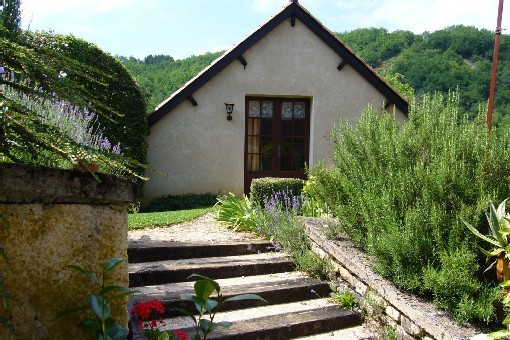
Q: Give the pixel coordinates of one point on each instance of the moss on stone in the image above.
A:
(41, 241)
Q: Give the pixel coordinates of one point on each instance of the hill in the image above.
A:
(444, 60)
(160, 75)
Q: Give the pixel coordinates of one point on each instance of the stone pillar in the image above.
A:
(53, 218)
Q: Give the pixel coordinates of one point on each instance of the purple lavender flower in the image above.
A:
(116, 149)
(88, 116)
(105, 144)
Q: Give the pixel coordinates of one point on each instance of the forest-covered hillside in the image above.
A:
(454, 57)
(160, 75)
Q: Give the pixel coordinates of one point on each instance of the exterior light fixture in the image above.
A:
(230, 108)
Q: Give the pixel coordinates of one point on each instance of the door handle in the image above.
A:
(279, 149)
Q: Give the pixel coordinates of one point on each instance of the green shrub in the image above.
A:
(237, 213)
(401, 192)
(345, 299)
(263, 188)
(454, 282)
(181, 202)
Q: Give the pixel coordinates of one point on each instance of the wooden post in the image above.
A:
(494, 68)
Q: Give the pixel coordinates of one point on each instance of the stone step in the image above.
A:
(170, 271)
(161, 251)
(274, 288)
(351, 333)
(285, 321)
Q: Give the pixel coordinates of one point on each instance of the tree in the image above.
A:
(10, 14)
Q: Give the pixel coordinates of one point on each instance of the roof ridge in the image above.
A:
(293, 10)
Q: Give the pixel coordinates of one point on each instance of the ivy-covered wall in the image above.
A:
(53, 218)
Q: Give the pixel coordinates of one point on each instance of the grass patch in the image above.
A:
(164, 218)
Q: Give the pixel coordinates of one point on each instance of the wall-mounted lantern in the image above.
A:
(230, 108)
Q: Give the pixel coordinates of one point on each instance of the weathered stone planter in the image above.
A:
(56, 218)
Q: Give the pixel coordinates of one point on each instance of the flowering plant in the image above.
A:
(149, 315)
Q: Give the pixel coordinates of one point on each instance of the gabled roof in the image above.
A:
(293, 10)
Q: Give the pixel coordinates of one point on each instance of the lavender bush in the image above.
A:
(77, 123)
(279, 219)
(66, 134)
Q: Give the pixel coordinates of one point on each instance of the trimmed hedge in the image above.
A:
(181, 202)
(261, 188)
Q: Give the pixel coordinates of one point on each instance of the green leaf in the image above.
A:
(225, 324)
(109, 322)
(490, 254)
(480, 235)
(506, 321)
(109, 289)
(210, 304)
(71, 310)
(204, 288)
(494, 224)
(117, 332)
(245, 297)
(499, 334)
(97, 305)
(206, 326)
(505, 283)
(214, 283)
(91, 324)
(91, 275)
(164, 336)
(198, 300)
(196, 337)
(185, 312)
(112, 263)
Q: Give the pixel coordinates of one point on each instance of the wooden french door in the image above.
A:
(277, 138)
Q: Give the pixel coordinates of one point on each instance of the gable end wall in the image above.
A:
(200, 151)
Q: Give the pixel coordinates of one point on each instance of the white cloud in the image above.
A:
(36, 11)
(419, 16)
(267, 6)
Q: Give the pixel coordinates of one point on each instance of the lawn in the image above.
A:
(165, 218)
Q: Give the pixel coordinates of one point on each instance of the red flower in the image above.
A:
(178, 334)
(149, 314)
(143, 310)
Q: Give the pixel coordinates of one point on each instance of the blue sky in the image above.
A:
(182, 28)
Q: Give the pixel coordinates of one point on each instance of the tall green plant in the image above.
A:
(500, 230)
(400, 191)
(102, 323)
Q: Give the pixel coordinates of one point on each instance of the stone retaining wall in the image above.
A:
(410, 316)
(53, 218)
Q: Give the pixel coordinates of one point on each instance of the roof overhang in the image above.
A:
(293, 10)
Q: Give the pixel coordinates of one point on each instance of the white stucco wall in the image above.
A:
(200, 151)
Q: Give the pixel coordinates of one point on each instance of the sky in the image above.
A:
(182, 28)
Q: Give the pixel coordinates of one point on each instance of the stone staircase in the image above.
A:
(296, 306)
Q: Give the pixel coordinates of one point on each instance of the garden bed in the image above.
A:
(409, 315)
